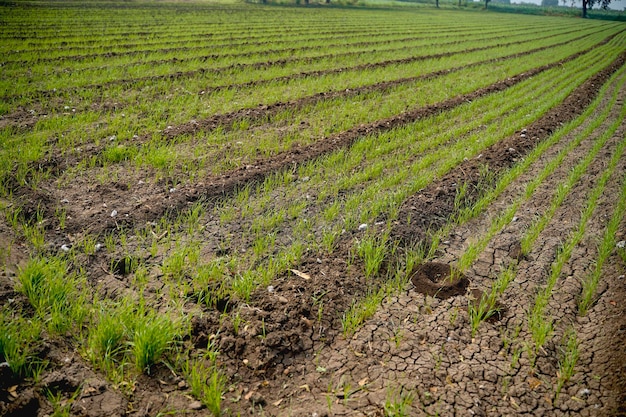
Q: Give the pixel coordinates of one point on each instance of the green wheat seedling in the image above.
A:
(153, 336)
(209, 280)
(54, 293)
(487, 306)
(360, 311)
(567, 362)
(206, 381)
(590, 283)
(61, 407)
(106, 342)
(182, 261)
(373, 250)
(398, 405)
(20, 340)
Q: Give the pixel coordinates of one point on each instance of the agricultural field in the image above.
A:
(223, 208)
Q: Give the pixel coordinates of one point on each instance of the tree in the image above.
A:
(590, 3)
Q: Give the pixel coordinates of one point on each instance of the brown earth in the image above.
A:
(288, 360)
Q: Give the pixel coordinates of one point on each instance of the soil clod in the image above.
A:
(438, 280)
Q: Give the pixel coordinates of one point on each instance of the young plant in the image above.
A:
(54, 293)
(373, 250)
(19, 343)
(206, 381)
(153, 336)
(398, 405)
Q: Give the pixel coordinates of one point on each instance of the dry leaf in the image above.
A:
(358, 354)
(363, 381)
(534, 383)
(249, 395)
(305, 387)
(301, 274)
(13, 391)
(277, 403)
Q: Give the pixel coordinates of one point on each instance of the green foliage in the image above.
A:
(398, 405)
(153, 335)
(373, 250)
(20, 341)
(55, 294)
(567, 362)
(206, 381)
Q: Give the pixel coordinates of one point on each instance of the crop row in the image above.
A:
(243, 56)
(400, 98)
(240, 73)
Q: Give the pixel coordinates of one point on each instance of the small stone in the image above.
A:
(98, 246)
(196, 405)
(172, 190)
(182, 385)
(257, 398)
(362, 227)
(283, 300)
(114, 213)
(65, 248)
(621, 244)
(270, 288)
(65, 201)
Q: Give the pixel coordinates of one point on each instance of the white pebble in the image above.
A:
(114, 213)
(270, 288)
(65, 248)
(621, 244)
(363, 227)
(172, 190)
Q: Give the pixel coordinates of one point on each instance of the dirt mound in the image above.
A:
(438, 280)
